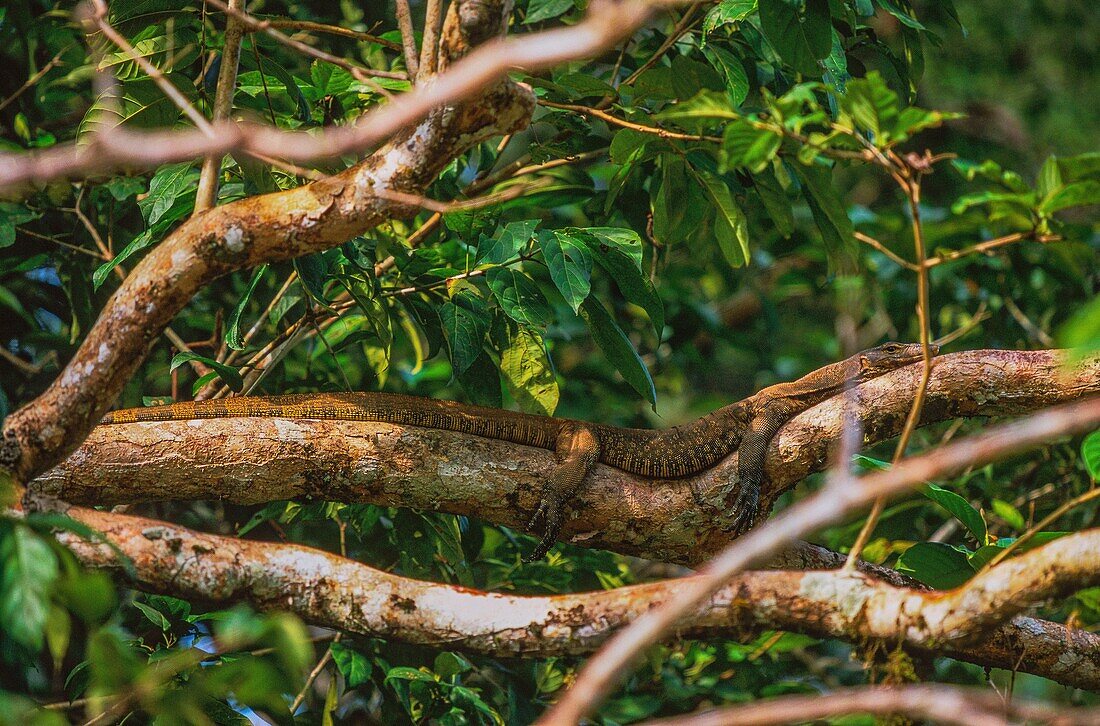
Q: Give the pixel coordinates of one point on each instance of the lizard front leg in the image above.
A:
(578, 450)
(763, 426)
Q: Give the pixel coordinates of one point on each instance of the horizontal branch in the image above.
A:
(259, 460)
(329, 590)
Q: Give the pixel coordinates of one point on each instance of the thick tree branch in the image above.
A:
(252, 231)
(260, 460)
(329, 590)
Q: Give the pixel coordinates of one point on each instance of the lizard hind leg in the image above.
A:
(578, 450)
(751, 455)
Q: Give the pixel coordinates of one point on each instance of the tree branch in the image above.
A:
(329, 590)
(607, 23)
(259, 460)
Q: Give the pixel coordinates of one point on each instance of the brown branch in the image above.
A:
(244, 234)
(607, 23)
(207, 193)
(933, 702)
(408, 36)
(310, 26)
(332, 591)
(603, 670)
(680, 520)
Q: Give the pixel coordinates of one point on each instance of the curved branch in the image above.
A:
(607, 23)
(246, 233)
(329, 590)
(260, 460)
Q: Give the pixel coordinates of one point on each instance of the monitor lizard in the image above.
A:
(746, 427)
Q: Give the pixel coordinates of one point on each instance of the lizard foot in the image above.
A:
(746, 509)
(550, 512)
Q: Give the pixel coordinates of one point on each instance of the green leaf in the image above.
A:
(776, 202)
(11, 215)
(1078, 194)
(465, 323)
(800, 32)
(26, 580)
(732, 69)
(1090, 453)
(170, 183)
(229, 375)
(526, 369)
(1010, 514)
(959, 508)
(508, 243)
(936, 564)
(727, 12)
(233, 337)
(540, 10)
(704, 105)
(354, 666)
(570, 264)
(731, 227)
(519, 296)
(832, 219)
(1082, 331)
(871, 106)
(135, 102)
(618, 349)
(137, 244)
(746, 146)
(619, 253)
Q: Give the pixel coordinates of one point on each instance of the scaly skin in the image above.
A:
(746, 427)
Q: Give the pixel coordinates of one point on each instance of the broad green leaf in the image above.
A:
(832, 219)
(165, 50)
(1078, 194)
(746, 146)
(618, 349)
(171, 183)
(540, 10)
(233, 336)
(526, 369)
(732, 69)
(136, 102)
(1082, 331)
(936, 564)
(570, 264)
(704, 105)
(519, 297)
(619, 252)
(481, 381)
(229, 375)
(465, 323)
(1090, 454)
(730, 224)
(960, 509)
(689, 76)
(727, 12)
(508, 243)
(28, 570)
(354, 666)
(801, 32)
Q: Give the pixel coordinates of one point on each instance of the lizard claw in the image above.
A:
(746, 508)
(550, 512)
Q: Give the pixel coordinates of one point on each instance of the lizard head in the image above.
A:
(888, 356)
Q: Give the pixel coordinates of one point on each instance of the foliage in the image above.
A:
(655, 269)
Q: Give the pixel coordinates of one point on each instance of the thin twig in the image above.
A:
(429, 43)
(408, 37)
(310, 26)
(54, 62)
(223, 105)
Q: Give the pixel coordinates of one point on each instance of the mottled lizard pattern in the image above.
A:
(745, 427)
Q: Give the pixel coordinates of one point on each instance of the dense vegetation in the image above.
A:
(726, 201)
